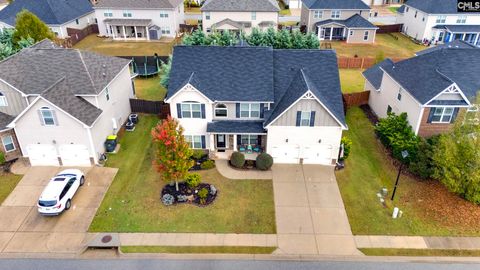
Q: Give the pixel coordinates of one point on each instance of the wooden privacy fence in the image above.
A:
(356, 99)
(160, 108)
(390, 28)
(360, 62)
(75, 35)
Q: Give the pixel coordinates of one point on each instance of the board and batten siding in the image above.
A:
(15, 102)
(322, 116)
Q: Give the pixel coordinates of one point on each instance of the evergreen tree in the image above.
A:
(269, 37)
(283, 40)
(255, 38)
(30, 26)
(165, 72)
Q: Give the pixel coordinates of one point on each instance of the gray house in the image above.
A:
(58, 105)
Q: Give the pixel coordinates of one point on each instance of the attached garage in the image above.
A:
(318, 154)
(286, 153)
(42, 155)
(74, 155)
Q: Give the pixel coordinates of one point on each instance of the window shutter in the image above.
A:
(312, 118)
(259, 140)
(40, 117)
(179, 110)
(430, 115)
(202, 107)
(262, 109)
(54, 114)
(237, 110)
(454, 116)
(299, 116)
(203, 142)
(239, 140)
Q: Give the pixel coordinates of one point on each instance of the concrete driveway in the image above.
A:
(310, 214)
(24, 230)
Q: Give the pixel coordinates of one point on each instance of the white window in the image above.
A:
(127, 14)
(47, 116)
(249, 110)
(305, 119)
(336, 14)
(108, 13)
(209, 30)
(166, 30)
(317, 14)
(8, 143)
(407, 9)
(442, 115)
(191, 110)
(207, 15)
(248, 139)
(441, 19)
(221, 110)
(462, 19)
(195, 141)
(163, 14)
(254, 15)
(3, 100)
(351, 33)
(365, 35)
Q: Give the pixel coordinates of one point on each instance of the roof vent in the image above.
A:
(104, 74)
(104, 66)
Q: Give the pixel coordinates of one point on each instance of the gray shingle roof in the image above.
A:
(375, 73)
(335, 4)
(434, 6)
(139, 4)
(401, 9)
(355, 21)
(52, 12)
(233, 126)
(5, 119)
(454, 44)
(241, 5)
(459, 28)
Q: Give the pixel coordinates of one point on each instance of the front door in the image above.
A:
(221, 141)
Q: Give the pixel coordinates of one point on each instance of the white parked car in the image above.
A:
(57, 195)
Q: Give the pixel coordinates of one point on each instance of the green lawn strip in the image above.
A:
(150, 88)
(420, 252)
(198, 249)
(393, 9)
(352, 80)
(132, 203)
(8, 181)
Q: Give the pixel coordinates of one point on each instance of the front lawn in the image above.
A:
(352, 80)
(428, 208)
(391, 47)
(149, 88)
(132, 203)
(8, 181)
(420, 252)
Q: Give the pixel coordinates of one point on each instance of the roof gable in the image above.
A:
(335, 4)
(241, 5)
(375, 73)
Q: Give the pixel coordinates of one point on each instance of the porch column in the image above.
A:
(124, 32)
(319, 32)
(146, 32)
(331, 33)
(212, 142)
(114, 30)
(135, 29)
(452, 35)
(476, 39)
(464, 35)
(343, 32)
(234, 142)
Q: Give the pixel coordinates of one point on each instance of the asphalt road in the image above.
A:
(144, 264)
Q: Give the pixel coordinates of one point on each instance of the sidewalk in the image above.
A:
(417, 242)
(227, 171)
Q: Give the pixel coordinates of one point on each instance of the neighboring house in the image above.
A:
(439, 21)
(339, 20)
(285, 102)
(3, 4)
(459, 44)
(382, 2)
(239, 16)
(430, 91)
(139, 19)
(57, 14)
(57, 106)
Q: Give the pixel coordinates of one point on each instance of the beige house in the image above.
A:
(338, 20)
(239, 16)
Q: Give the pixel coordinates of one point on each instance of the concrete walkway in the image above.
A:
(417, 242)
(224, 169)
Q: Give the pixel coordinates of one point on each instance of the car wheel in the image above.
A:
(82, 181)
(68, 204)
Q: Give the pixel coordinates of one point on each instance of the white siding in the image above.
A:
(84, 21)
(16, 103)
(216, 17)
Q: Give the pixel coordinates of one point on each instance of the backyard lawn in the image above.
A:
(8, 181)
(132, 203)
(126, 48)
(428, 208)
(401, 48)
(149, 88)
(352, 80)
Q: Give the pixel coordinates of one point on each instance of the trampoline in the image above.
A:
(146, 66)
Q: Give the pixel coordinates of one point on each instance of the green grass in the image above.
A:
(352, 80)
(8, 181)
(393, 9)
(420, 252)
(198, 249)
(149, 88)
(368, 170)
(401, 48)
(132, 203)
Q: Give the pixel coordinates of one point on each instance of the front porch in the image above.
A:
(132, 29)
(332, 32)
(449, 33)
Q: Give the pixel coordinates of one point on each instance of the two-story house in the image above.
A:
(338, 20)
(430, 91)
(239, 16)
(254, 99)
(58, 15)
(439, 21)
(57, 106)
(139, 19)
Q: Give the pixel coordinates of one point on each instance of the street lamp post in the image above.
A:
(404, 155)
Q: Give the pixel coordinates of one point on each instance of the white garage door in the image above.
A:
(317, 154)
(74, 155)
(42, 155)
(286, 153)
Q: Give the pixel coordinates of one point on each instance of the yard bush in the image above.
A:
(347, 145)
(203, 194)
(193, 180)
(423, 165)
(207, 165)
(264, 161)
(2, 158)
(237, 159)
(198, 154)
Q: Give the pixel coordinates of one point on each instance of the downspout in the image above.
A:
(90, 140)
(422, 110)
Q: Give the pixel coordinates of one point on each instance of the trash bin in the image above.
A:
(133, 118)
(111, 143)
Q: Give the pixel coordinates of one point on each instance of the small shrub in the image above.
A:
(264, 161)
(182, 198)
(2, 158)
(423, 166)
(237, 159)
(168, 199)
(207, 165)
(213, 190)
(198, 154)
(347, 145)
(193, 180)
(203, 194)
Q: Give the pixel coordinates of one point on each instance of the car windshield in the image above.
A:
(47, 203)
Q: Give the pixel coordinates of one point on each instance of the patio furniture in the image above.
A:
(257, 149)
(249, 149)
(241, 148)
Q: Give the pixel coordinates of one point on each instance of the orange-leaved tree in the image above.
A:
(172, 159)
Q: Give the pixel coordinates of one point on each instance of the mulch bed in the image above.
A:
(369, 113)
(198, 163)
(183, 189)
(248, 166)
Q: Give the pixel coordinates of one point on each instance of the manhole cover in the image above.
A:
(106, 238)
